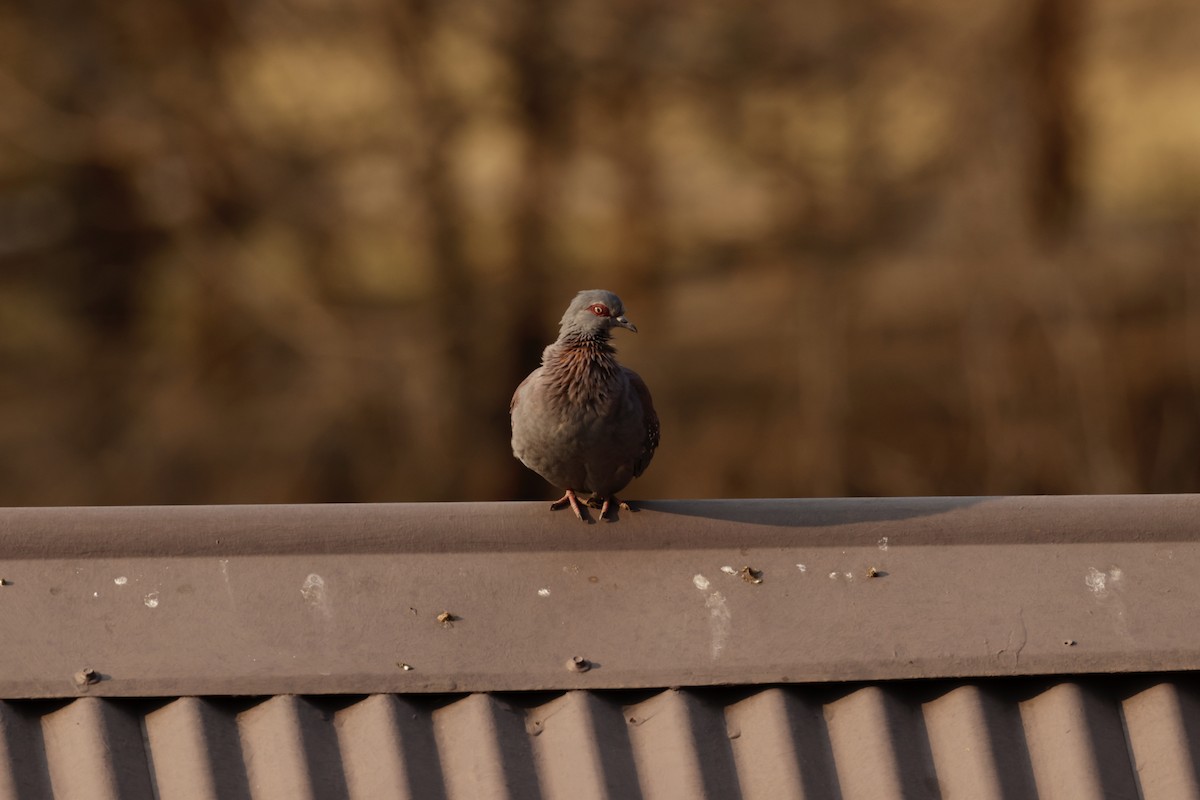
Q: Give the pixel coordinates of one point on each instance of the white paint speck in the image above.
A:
(121, 581)
(883, 544)
(833, 576)
(719, 621)
(95, 594)
(802, 568)
(701, 582)
(728, 570)
(849, 576)
(313, 589)
(1100, 582)
(543, 592)
(224, 562)
(151, 600)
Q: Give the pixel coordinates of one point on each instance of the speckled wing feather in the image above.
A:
(651, 420)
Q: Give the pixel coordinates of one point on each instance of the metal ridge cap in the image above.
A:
(509, 596)
(141, 531)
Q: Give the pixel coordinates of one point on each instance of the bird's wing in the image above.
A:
(513, 403)
(650, 416)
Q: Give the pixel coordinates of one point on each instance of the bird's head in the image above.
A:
(594, 312)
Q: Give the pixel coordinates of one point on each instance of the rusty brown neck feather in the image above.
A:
(581, 369)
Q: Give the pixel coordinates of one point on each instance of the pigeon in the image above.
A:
(581, 420)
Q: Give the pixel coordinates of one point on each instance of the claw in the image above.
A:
(568, 499)
(621, 504)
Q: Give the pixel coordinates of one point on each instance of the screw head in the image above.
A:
(86, 677)
(578, 664)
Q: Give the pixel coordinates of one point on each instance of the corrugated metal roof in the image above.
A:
(995, 739)
(296, 651)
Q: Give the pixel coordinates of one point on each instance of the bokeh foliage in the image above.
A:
(294, 250)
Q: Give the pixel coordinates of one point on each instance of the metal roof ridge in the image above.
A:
(510, 596)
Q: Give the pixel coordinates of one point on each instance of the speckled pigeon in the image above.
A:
(581, 420)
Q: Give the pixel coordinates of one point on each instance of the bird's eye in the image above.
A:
(599, 309)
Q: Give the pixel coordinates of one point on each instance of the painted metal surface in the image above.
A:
(991, 739)
(371, 599)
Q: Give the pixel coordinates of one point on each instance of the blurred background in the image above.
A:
(303, 251)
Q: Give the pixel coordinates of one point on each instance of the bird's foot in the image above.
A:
(569, 499)
(610, 502)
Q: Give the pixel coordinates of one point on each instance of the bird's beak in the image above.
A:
(624, 323)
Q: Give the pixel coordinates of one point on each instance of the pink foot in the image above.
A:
(621, 504)
(568, 499)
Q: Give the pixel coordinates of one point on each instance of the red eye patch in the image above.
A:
(599, 309)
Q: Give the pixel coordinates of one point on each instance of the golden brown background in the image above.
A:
(304, 251)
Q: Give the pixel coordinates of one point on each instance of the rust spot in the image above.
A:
(751, 575)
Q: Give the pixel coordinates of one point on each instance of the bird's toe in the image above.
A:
(569, 499)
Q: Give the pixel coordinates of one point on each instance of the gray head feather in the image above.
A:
(593, 314)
